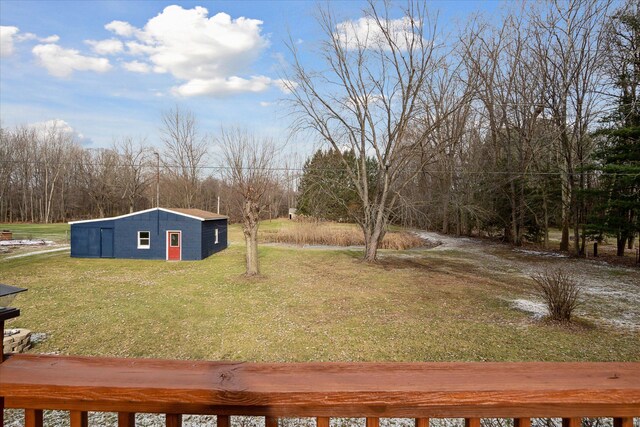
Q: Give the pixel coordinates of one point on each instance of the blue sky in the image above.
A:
(108, 69)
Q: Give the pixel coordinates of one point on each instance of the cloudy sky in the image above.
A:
(107, 69)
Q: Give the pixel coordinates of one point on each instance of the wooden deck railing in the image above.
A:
(373, 390)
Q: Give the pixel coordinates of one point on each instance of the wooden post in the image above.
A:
(223, 420)
(373, 422)
(2, 353)
(33, 418)
(126, 419)
(322, 422)
(174, 420)
(595, 249)
(79, 418)
(422, 422)
(522, 422)
(572, 422)
(270, 422)
(473, 422)
(623, 422)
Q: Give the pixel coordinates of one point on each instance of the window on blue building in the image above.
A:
(144, 240)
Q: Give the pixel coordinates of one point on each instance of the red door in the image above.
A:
(174, 241)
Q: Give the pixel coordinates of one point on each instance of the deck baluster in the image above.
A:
(223, 420)
(126, 419)
(623, 422)
(174, 420)
(572, 422)
(79, 418)
(472, 422)
(33, 418)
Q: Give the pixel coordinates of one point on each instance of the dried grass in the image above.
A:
(333, 234)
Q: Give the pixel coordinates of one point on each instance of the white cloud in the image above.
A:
(265, 104)
(61, 62)
(121, 28)
(25, 36)
(223, 87)
(136, 67)
(106, 47)
(366, 33)
(285, 86)
(135, 48)
(30, 36)
(51, 39)
(219, 87)
(54, 127)
(7, 35)
(209, 54)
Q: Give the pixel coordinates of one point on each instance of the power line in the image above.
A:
(297, 169)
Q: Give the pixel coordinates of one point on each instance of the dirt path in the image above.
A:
(611, 293)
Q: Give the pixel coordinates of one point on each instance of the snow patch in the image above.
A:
(14, 242)
(537, 309)
(541, 253)
(64, 248)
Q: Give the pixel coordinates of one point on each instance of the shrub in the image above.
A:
(560, 293)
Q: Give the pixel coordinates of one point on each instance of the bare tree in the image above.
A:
(571, 57)
(185, 151)
(375, 100)
(100, 168)
(53, 146)
(249, 166)
(8, 165)
(502, 62)
(132, 181)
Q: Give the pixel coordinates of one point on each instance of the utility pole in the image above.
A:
(157, 179)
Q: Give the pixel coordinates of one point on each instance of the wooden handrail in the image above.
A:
(415, 390)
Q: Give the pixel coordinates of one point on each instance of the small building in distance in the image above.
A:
(158, 233)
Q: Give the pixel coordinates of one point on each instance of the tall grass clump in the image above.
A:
(560, 293)
(333, 234)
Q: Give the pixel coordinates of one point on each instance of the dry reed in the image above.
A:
(333, 234)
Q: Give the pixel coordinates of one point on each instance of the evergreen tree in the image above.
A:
(326, 191)
(617, 200)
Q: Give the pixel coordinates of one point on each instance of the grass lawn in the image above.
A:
(315, 305)
(56, 232)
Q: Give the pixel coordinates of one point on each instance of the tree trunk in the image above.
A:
(373, 235)
(621, 242)
(251, 241)
(445, 215)
(546, 220)
(250, 230)
(566, 213)
(371, 247)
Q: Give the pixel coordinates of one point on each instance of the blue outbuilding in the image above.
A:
(158, 233)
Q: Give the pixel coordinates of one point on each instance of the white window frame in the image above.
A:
(148, 245)
(216, 233)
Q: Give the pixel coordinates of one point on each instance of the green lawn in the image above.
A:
(309, 305)
(59, 233)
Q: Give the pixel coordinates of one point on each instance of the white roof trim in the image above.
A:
(136, 213)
